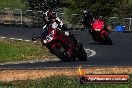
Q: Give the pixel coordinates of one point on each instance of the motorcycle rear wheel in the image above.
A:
(62, 54)
(82, 55)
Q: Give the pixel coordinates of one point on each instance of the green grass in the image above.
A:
(58, 82)
(13, 4)
(18, 50)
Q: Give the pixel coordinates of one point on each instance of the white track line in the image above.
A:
(2, 37)
(12, 38)
(92, 52)
(19, 39)
(16, 39)
(27, 40)
(31, 62)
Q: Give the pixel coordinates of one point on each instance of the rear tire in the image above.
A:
(62, 54)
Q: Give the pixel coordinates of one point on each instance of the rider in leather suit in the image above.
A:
(87, 20)
(50, 19)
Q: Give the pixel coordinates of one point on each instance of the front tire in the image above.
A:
(108, 41)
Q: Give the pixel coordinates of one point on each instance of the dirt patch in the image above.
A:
(12, 75)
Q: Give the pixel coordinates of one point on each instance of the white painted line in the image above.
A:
(35, 41)
(42, 61)
(15, 63)
(1, 64)
(11, 38)
(27, 40)
(92, 52)
(19, 39)
(31, 62)
(3, 37)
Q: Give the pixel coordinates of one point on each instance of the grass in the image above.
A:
(13, 4)
(12, 50)
(58, 82)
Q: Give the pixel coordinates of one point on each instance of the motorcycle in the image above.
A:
(63, 45)
(100, 33)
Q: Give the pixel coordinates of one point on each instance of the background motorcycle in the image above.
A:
(100, 33)
(64, 46)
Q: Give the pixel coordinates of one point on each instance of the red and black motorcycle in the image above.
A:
(65, 47)
(100, 33)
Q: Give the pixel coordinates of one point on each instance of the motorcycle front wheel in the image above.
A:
(108, 41)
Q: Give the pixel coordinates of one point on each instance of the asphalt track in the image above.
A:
(118, 54)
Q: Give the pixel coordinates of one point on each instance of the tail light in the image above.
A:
(97, 29)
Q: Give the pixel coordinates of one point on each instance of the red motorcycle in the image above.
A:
(100, 33)
(65, 47)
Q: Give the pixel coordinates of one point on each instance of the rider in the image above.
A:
(105, 25)
(87, 20)
(50, 19)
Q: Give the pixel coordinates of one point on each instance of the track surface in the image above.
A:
(118, 54)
